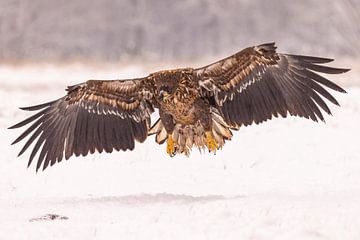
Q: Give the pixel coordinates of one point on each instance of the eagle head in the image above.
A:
(165, 92)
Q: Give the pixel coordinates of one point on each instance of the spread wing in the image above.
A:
(257, 83)
(95, 115)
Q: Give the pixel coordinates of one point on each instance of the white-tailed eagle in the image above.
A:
(197, 106)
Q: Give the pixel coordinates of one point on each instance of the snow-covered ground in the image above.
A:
(285, 179)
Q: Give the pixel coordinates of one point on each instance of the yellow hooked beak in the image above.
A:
(164, 95)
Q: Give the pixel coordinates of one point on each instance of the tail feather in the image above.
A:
(187, 136)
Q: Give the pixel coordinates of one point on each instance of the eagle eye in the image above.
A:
(165, 89)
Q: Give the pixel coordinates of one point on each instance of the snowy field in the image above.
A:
(285, 179)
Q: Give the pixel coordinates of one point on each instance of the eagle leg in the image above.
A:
(211, 142)
(168, 123)
(170, 146)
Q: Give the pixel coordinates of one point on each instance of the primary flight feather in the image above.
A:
(197, 107)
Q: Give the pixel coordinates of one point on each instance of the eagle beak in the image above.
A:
(164, 95)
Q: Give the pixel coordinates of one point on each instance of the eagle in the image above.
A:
(198, 107)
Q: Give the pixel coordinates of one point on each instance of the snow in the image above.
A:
(284, 179)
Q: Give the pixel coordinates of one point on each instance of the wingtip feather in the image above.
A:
(37, 107)
(345, 70)
(310, 59)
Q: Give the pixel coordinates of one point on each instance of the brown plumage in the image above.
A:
(197, 107)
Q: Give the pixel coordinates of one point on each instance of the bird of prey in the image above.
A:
(197, 106)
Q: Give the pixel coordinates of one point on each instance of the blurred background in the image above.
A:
(179, 30)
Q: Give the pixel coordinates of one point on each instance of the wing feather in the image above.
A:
(257, 83)
(95, 115)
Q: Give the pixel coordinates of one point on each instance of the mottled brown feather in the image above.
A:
(257, 83)
(95, 115)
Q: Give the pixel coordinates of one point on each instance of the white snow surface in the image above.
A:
(284, 179)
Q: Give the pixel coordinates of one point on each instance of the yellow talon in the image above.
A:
(210, 142)
(170, 147)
